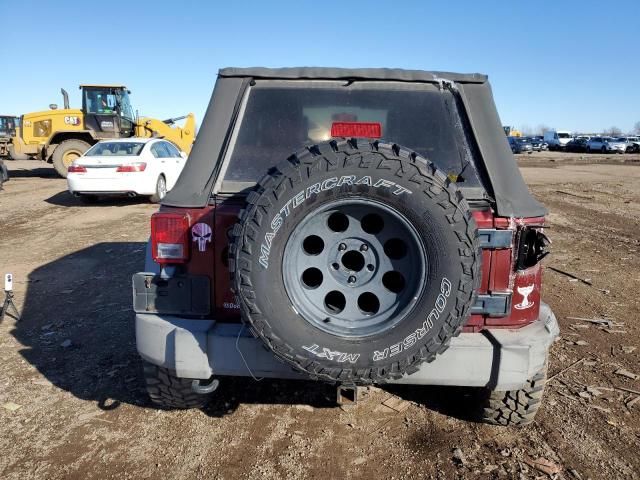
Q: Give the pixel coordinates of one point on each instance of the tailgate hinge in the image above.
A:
(493, 305)
(492, 238)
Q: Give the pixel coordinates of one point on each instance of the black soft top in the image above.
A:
(325, 73)
(507, 187)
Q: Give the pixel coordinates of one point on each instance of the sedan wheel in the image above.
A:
(161, 190)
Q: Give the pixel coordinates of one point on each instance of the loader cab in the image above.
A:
(107, 110)
(8, 125)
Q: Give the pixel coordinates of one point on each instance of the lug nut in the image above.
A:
(335, 266)
(364, 247)
(342, 247)
(352, 279)
(370, 267)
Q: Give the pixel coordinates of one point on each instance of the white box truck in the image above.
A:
(557, 139)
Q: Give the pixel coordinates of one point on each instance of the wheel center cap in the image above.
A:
(352, 261)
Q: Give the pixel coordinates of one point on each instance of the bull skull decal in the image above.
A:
(201, 233)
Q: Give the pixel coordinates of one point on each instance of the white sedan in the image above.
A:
(126, 166)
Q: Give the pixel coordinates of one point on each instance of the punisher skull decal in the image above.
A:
(201, 233)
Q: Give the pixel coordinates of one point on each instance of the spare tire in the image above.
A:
(355, 262)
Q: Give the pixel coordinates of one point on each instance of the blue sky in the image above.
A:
(569, 65)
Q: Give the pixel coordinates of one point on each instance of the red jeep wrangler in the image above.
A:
(365, 226)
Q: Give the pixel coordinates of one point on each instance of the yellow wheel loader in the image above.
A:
(8, 126)
(61, 136)
(512, 132)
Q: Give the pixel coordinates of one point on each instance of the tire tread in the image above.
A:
(328, 157)
(168, 391)
(515, 407)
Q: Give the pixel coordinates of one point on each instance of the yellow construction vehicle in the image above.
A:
(512, 132)
(61, 136)
(8, 126)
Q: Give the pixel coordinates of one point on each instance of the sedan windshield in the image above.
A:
(123, 149)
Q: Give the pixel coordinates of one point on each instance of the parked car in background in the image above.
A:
(578, 144)
(4, 173)
(520, 145)
(537, 144)
(127, 166)
(636, 142)
(632, 143)
(605, 145)
(557, 139)
(545, 145)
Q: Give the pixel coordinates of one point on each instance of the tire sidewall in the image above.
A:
(157, 197)
(58, 154)
(434, 318)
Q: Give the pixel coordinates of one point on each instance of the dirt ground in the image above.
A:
(72, 402)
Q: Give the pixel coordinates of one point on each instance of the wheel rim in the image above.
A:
(70, 156)
(354, 268)
(162, 187)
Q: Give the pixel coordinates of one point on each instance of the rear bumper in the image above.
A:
(78, 183)
(498, 359)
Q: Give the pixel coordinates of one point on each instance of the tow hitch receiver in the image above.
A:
(203, 389)
(346, 395)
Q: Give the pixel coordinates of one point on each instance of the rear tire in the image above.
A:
(168, 391)
(4, 172)
(15, 156)
(65, 153)
(515, 407)
(161, 190)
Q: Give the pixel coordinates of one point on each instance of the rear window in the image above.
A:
(121, 149)
(279, 120)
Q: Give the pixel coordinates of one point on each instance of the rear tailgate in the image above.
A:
(226, 216)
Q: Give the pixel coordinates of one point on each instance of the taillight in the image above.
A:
(169, 237)
(132, 167)
(76, 169)
(356, 129)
